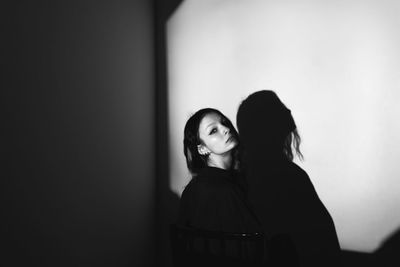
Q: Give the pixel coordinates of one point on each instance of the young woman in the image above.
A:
(214, 199)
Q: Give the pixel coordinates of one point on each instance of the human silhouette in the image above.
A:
(280, 192)
(388, 255)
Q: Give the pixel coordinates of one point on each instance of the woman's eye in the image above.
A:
(213, 131)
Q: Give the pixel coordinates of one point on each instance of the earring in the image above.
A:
(203, 151)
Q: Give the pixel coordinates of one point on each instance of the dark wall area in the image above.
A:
(167, 201)
(78, 135)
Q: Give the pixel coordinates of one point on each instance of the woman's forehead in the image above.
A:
(209, 119)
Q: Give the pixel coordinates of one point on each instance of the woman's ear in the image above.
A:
(203, 150)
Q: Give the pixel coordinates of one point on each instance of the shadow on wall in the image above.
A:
(388, 255)
(167, 201)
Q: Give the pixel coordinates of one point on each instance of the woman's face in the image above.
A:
(216, 137)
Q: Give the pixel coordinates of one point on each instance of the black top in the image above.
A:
(213, 200)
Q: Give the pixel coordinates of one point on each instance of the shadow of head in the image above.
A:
(265, 123)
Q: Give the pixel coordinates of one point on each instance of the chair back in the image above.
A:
(199, 247)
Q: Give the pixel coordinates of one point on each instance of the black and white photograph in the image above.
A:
(171, 133)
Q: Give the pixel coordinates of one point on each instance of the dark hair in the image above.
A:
(194, 161)
(262, 119)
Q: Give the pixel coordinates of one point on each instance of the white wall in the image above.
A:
(335, 64)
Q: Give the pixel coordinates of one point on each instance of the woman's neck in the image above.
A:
(220, 161)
